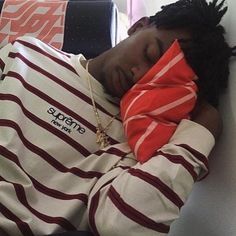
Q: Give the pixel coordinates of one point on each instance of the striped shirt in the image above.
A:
(54, 178)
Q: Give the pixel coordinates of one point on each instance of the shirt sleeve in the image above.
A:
(146, 198)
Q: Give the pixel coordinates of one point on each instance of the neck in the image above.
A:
(95, 66)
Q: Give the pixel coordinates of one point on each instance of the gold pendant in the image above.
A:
(102, 138)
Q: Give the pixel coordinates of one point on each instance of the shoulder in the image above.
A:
(28, 42)
(28, 39)
(33, 45)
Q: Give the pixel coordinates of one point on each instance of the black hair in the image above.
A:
(207, 52)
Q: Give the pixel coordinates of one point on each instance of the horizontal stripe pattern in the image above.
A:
(65, 224)
(178, 159)
(20, 122)
(55, 187)
(197, 154)
(93, 208)
(60, 63)
(48, 98)
(160, 185)
(46, 54)
(40, 187)
(23, 227)
(44, 155)
(133, 214)
(45, 125)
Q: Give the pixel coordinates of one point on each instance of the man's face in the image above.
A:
(126, 63)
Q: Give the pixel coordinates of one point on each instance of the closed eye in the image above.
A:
(160, 47)
(154, 51)
(146, 55)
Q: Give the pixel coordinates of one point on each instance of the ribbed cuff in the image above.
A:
(194, 135)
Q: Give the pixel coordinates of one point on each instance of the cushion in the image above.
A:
(154, 106)
(87, 27)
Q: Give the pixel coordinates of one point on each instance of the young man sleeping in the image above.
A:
(55, 173)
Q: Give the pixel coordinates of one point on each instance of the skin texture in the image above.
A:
(209, 117)
(119, 68)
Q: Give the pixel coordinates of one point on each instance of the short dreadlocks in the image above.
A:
(207, 52)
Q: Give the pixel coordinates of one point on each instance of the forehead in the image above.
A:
(167, 36)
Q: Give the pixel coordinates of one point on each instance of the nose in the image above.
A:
(138, 71)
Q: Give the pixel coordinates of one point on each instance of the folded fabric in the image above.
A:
(154, 106)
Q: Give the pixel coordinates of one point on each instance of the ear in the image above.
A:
(144, 21)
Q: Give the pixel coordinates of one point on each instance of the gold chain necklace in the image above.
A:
(101, 132)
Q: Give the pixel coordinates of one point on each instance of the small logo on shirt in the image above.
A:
(65, 123)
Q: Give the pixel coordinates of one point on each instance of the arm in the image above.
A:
(209, 117)
(146, 199)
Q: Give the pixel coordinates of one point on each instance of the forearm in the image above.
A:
(146, 199)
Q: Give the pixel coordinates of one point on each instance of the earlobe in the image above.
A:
(144, 21)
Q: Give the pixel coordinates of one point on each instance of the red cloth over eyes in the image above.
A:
(153, 107)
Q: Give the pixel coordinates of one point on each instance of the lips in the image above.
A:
(119, 83)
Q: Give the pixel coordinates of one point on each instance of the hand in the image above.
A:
(209, 117)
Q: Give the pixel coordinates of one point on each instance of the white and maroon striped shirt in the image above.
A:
(54, 178)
